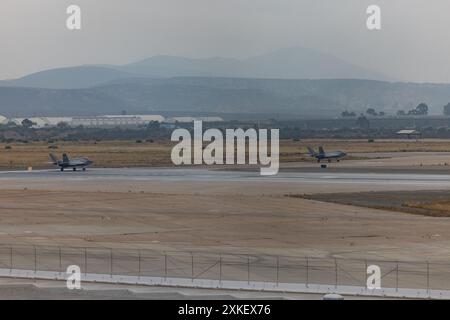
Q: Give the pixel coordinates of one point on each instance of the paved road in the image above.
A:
(159, 174)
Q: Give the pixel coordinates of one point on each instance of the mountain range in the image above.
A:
(291, 63)
(295, 82)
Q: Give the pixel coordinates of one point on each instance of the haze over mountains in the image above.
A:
(292, 63)
(293, 82)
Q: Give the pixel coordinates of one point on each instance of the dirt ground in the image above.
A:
(212, 217)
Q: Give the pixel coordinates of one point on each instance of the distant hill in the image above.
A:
(68, 78)
(291, 63)
(303, 63)
(298, 98)
(170, 66)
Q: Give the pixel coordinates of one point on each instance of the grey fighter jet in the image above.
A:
(322, 155)
(81, 162)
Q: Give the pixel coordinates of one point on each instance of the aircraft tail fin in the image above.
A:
(65, 158)
(54, 158)
(321, 151)
(311, 151)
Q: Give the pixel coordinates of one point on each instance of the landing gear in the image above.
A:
(84, 169)
(74, 169)
(62, 169)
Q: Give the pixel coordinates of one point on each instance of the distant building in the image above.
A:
(115, 120)
(410, 133)
(192, 119)
(90, 121)
(3, 120)
(107, 121)
(42, 122)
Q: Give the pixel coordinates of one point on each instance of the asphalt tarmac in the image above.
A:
(206, 175)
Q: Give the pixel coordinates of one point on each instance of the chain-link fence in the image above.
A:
(223, 267)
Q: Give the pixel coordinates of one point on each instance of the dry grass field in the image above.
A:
(363, 146)
(442, 207)
(103, 153)
(433, 203)
(117, 153)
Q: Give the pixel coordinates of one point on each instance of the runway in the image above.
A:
(217, 176)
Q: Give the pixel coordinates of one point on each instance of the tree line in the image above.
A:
(421, 110)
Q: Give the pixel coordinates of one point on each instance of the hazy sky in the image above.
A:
(413, 45)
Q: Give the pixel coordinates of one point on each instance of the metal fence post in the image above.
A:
(396, 278)
(220, 268)
(165, 266)
(192, 267)
(428, 277)
(11, 258)
(85, 261)
(35, 260)
(336, 273)
(248, 269)
(278, 270)
(60, 260)
(139, 264)
(111, 262)
(365, 275)
(307, 272)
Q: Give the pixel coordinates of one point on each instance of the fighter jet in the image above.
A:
(326, 155)
(81, 162)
